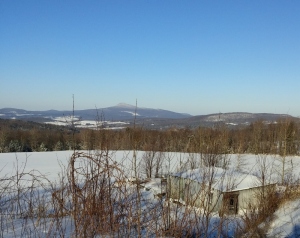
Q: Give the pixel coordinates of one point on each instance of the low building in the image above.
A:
(217, 190)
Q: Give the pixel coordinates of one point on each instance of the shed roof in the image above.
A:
(222, 180)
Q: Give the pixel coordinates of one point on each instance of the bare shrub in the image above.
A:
(94, 198)
(152, 163)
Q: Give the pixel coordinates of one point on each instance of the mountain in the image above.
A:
(233, 120)
(126, 111)
(123, 115)
(119, 112)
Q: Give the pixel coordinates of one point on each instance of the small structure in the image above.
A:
(217, 190)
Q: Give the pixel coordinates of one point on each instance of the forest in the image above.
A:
(282, 137)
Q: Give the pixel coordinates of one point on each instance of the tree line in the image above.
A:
(282, 137)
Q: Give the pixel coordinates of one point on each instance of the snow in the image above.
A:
(242, 171)
(154, 185)
(47, 163)
(24, 114)
(67, 119)
(286, 222)
(89, 123)
(229, 116)
(232, 124)
(222, 180)
(132, 113)
(248, 164)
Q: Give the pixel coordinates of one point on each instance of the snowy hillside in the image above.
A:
(49, 167)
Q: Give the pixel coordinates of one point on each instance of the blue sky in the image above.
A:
(196, 57)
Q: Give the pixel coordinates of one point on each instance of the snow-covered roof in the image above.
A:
(222, 180)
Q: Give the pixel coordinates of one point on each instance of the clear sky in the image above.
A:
(196, 57)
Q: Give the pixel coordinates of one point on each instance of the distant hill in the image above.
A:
(146, 117)
(233, 120)
(121, 111)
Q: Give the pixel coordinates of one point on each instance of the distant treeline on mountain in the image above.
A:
(282, 137)
(145, 117)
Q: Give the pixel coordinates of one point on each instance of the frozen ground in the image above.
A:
(286, 221)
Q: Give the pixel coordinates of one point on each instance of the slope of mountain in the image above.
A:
(121, 111)
(233, 120)
(146, 117)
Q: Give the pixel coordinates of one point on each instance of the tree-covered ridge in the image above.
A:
(282, 137)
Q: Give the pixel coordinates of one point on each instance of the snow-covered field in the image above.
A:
(286, 221)
(66, 121)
